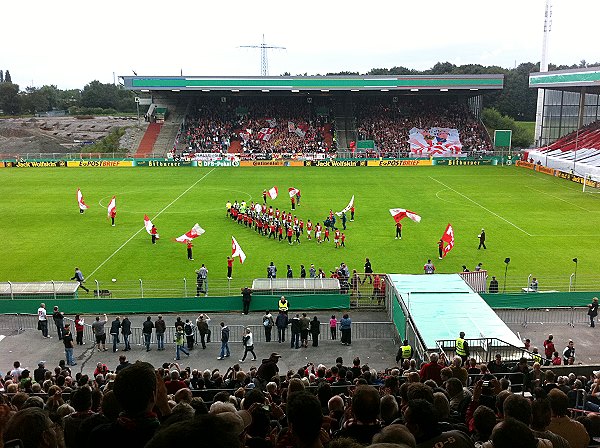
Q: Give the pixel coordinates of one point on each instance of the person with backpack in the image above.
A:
(188, 329)
(268, 324)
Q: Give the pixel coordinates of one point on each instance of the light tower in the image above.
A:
(543, 68)
(264, 61)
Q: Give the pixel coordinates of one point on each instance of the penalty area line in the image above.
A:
(143, 228)
(481, 206)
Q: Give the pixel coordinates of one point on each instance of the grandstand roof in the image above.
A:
(407, 83)
(568, 79)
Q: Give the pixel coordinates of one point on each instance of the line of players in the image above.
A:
(282, 225)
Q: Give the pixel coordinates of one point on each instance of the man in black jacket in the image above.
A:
(281, 322)
(126, 332)
(295, 342)
(147, 327)
(115, 326)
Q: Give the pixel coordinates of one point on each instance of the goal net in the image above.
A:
(591, 183)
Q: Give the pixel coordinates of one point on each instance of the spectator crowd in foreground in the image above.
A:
(436, 404)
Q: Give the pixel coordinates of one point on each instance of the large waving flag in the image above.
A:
(195, 232)
(236, 250)
(82, 204)
(348, 207)
(448, 237)
(400, 213)
(293, 191)
(273, 192)
(148, 225)
(112, 206)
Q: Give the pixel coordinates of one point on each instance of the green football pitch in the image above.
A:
(540, 222)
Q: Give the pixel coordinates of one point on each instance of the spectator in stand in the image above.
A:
(431, 370)
(561, 424)
(281, 322)
(569, 353)
(364, 423)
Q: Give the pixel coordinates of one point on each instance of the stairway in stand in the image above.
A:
(147, 144)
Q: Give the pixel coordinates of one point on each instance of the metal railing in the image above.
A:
(360, 330)
(485, 349)
(570, 316)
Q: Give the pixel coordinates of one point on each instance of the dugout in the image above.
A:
(38, 290)
(278, 286)
(571, 100)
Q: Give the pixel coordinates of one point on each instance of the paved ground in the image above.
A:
(29, 347)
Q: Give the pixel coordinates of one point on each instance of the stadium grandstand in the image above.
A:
(568, 131)
(315, 117)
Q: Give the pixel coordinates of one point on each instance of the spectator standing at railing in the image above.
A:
(126, 332)
(115, 326)
(315, 330)
(493, 289)
(346, 329)
(593, 311)
(333, 323)
(229, 267)
(268, 324)
(295, 328)
(58, 318)
(202, 324)
(188, 329)
(147, 327)
(246, 299)
(160, 327)
(462, 347)
(79, 327)
(281, 322)
(100, 332)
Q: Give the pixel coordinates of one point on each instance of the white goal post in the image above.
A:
(591, 184)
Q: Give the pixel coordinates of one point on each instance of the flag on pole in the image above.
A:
(448, 237)
(195, 232)
(148, 225)
(293, 191)
(273, 192)
(400, 213)
(82, 204)
(348, 207)
(236, 250)
(112, 207)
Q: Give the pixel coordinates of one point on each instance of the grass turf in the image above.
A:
(540, 222)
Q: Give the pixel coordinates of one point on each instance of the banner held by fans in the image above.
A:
(195, 232)
(400, 213)
(236, 250)
(348, 207)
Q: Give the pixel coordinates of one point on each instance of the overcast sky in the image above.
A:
(70, 43)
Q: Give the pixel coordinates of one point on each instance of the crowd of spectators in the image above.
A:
(340, 405)
(294, 127)
(388, 124)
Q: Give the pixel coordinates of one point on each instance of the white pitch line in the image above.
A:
(560, 199)
(479, 205)
(143, 228)
(2, 337)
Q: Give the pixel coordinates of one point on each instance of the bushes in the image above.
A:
(522, 136)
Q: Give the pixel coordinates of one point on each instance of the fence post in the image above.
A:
(185, 294)
(141, 288)
(529, 282)
(571, 281)
(53, 289)
(12, 296)
(97, 288)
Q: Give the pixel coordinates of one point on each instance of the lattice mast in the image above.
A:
(543, 68)
(264, 60)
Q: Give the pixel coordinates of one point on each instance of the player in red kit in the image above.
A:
(229, 267)
(318, 232)
(326, 234)
(290, 232)
(336, 238)
(352, 213)
(343, 242)
(398, 231)
(309, 228)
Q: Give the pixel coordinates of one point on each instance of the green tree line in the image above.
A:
(94, 98)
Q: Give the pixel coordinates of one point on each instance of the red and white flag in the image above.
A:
(273, 192)
(448, 237)
(112, 207)
(236, 250)
(293, 191)
(148, 225)
(195, 232)
(82, 204)
(400, 213)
